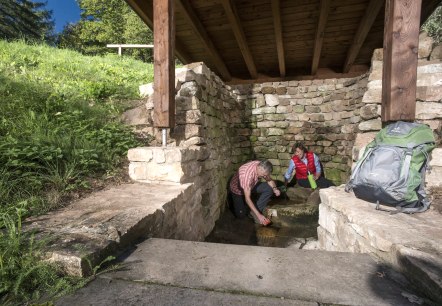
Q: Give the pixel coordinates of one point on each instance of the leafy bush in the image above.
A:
(433, 25)
(60, 119)
(59, 129)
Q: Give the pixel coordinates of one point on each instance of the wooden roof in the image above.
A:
(277, 39)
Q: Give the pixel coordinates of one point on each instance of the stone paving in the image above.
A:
(242, 275)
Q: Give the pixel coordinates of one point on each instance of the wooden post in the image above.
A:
(164, 66)
(401, 39)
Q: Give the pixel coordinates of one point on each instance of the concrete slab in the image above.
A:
(316, 276)
(410, 243)
(105, 292)
(107, 222)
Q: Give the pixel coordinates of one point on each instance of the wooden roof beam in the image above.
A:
(192, 19)
(145, 11)
(364, 27)
(319, 38)
(276, 11)
(235, 23)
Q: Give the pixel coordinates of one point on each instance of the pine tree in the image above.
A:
(25, 19)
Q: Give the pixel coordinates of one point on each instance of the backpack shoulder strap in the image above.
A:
(348, 186)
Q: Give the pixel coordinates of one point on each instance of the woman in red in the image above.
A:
(303, 163)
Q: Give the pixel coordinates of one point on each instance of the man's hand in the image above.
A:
(276, 191)
(263, 220)
(317, 175)
(286, 182)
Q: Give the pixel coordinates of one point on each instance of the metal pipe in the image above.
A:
(164, 136)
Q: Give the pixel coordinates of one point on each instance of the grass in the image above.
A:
(59, 129)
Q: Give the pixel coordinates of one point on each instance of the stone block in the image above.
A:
(434, 178)
(281, 124)
(316, 117)
(141, 154)
(265, 124)
(370, 125)
(271, 100)
(145, 90)
(372, 96)
(260, 101)
(428, 110)
(136, 116)
(264, 110)
(369, 111)
(436, 158)
(268, 90)
(152, 172)
(275, 117)
(436, 54)
(429, 79)
(281, 90)
(425, 45)
(429, 93)
(275, 132)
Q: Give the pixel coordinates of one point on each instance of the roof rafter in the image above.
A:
(276, 11)
(319, 38)
(188, 12)
(238, 31)
(364, 27)
(145, 11)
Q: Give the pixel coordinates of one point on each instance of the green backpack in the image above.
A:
(392, 169)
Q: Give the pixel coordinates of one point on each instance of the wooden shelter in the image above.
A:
(271, 40)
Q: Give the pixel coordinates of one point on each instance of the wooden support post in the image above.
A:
(164, 66)
(401, 39)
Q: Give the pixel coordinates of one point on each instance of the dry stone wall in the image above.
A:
(208, 143)
(324, 114)
(428, 91)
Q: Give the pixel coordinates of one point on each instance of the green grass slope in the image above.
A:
(59, 128)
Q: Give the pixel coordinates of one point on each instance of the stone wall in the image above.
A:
(428, 92)
(209, 142)
(324, 114)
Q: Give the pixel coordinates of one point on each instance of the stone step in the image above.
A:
(284, 274)
(109, 222)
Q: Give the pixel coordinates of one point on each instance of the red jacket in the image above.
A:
(301, 168)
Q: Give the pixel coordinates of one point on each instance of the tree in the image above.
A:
(433, 25)
(106, 22)
(25, 19)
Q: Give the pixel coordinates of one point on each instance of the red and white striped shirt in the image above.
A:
(246, 177)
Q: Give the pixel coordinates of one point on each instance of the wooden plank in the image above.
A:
(191, 17)
(145, 11)
(232, 16)
(164, 64)
(401, 39)
(364, 27)
(276, 11)
(323, 15)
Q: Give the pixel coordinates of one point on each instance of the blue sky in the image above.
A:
(63, 12)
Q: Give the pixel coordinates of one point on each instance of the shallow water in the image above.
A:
(284, 231)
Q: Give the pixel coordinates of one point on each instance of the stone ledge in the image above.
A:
(108, 222)
(410, 243)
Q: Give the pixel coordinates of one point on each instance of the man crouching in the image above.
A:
(247, 181)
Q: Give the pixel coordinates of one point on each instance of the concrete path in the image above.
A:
(172, 272)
